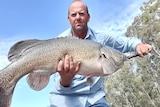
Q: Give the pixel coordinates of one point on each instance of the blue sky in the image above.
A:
(44, 19)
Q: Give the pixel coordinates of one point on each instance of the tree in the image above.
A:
(137, 83)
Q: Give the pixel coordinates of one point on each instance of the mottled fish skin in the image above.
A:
(6, 96)
(39, 59)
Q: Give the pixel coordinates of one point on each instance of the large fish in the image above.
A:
(39, 58)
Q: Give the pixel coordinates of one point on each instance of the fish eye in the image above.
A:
(104, 55)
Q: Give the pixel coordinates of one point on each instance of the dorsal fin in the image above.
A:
(18, 48)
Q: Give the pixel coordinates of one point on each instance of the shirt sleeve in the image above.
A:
(58, 88)
(121, 43)
(79, 85)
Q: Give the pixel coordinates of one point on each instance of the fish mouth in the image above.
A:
(117, 63)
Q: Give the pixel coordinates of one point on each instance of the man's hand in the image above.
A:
(67, 68)
(143, 49)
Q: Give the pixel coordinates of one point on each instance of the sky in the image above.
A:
(45, 19)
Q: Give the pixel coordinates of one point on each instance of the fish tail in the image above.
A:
(6, 96)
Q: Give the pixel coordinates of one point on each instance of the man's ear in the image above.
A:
(68, 19)
(88, 17)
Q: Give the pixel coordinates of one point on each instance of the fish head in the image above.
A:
(111, 60)
(102, 62)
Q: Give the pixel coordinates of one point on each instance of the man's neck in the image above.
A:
(80, 34)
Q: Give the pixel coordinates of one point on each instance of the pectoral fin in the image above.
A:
(89, 79)
(38, 79)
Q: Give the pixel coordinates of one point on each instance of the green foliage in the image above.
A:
(145, 17)
(137, 83)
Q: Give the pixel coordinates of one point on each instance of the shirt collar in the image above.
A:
(89, 33)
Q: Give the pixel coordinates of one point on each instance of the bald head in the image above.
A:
(78, 17)
(80, 3)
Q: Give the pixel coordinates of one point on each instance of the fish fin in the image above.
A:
(89, 79)
(39, 79)
(20, 47)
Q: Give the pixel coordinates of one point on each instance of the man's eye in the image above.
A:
(73, 15)
(81, 14)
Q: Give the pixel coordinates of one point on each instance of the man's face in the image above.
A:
(78, 16)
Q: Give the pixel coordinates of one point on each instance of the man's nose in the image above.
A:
(77, 16)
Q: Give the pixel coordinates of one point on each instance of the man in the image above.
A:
(73, 90)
